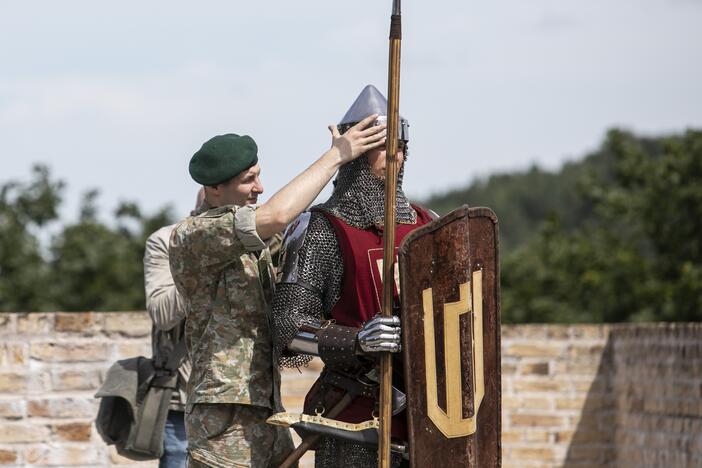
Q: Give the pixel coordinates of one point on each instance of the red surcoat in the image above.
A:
(361, 293)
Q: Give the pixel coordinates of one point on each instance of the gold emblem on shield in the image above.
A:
(452, 422)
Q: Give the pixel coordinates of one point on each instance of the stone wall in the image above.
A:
(581, 395)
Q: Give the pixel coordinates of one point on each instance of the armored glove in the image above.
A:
(380, 334)
(343, 347)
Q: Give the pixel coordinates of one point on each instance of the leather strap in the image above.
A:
(352, 386)
(337, 347)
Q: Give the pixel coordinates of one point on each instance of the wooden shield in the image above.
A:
(449, 272)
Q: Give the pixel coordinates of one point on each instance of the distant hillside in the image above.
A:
(523, 200)
(614, 237)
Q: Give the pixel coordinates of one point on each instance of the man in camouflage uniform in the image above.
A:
(223, 269)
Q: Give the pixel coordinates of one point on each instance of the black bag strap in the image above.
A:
(147, 433)
(151, 418)
(177, 356)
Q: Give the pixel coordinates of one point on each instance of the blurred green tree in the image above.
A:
(89, 265)
(637, 257)
(96, 267)
(24, 209)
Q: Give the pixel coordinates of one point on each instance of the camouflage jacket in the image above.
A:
(223, 270)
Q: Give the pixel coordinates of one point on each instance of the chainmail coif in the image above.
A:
(359, 197)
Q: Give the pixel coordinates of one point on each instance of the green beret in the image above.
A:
(223, 157)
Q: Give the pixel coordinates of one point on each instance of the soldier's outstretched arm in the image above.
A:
(291, 200)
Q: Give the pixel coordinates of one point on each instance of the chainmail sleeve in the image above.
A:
(312, 292)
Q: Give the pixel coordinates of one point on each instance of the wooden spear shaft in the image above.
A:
(393, 115)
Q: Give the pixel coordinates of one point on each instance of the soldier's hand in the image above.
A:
(362, 137)
(380, 334)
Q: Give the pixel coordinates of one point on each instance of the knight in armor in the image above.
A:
(329, 293)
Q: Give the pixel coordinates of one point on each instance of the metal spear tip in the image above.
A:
(396, 7)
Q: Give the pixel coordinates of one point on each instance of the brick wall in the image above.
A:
(50, 366)
(547, 374)
(655, 374)
(610, 396)
(579, 395)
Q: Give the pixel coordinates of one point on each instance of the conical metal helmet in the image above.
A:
(371, 101)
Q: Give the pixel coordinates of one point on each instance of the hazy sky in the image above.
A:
(118, 96)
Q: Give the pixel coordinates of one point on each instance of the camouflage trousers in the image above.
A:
(227, 435)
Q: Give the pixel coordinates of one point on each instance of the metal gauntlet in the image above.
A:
(380, 334)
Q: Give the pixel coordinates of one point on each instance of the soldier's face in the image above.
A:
(376, 161)
(243, 189)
